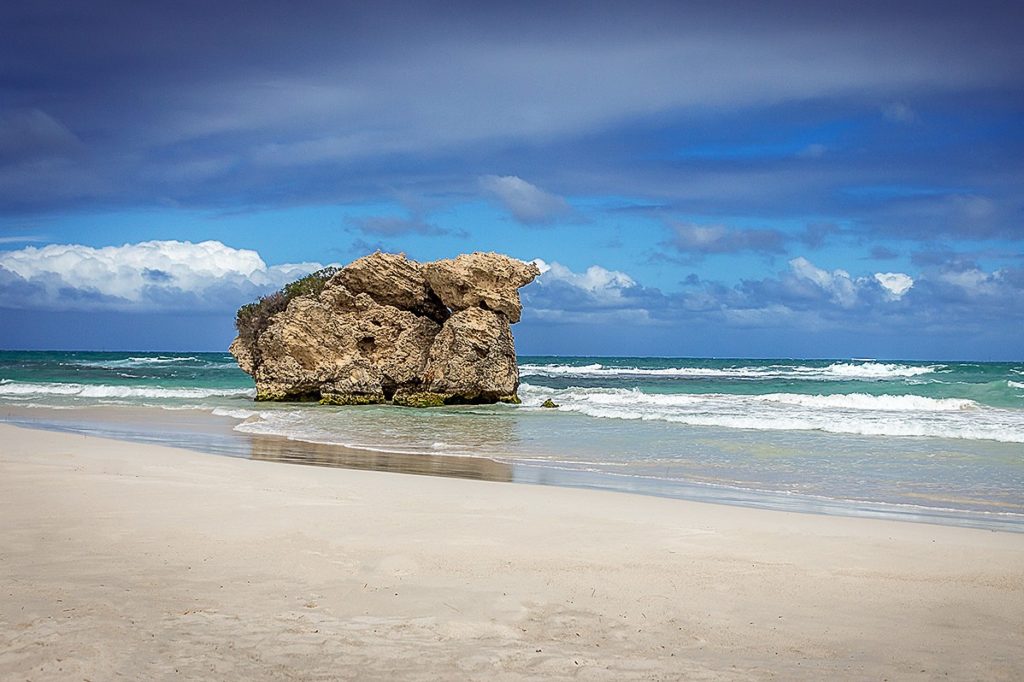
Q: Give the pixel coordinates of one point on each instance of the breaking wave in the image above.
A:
(237, 414)
(835, 371)
(15, 388)
(863, 401)
(856, 414)
(154, 363)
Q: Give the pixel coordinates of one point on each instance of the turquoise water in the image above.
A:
(942, 440)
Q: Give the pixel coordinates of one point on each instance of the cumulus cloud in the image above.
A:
(896, 283)
(802, 292)
(596, 294)
(804, 296)
(526, 202)
(603, 284)
(847, 291)
(842, 288)
(708, 239)
(973, 281)
(152, 275)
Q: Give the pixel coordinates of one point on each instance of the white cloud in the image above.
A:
(153, 275)
(973, 281)
(526, 202)
(595, 296)
(603, 284)
(895, 283)
(841, 287)
(847, 291)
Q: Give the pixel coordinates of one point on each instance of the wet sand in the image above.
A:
(149, 562)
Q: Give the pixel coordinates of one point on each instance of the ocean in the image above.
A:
(930, 441)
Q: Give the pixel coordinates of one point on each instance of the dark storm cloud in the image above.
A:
(231, 103)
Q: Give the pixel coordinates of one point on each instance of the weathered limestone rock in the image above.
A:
(473, 358)
(380, 331)
(243, 355)
(360, 351)
(392, 279)
(486, 280)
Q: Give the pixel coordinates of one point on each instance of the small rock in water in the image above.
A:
(549, 403)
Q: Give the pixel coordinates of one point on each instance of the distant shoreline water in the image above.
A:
(940, 440)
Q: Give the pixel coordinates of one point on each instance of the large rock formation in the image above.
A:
(388, 329)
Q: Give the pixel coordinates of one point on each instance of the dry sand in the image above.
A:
(145, 562)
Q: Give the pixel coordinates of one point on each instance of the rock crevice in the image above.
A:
(386, 329)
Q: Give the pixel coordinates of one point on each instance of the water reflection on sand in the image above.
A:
(270, 448)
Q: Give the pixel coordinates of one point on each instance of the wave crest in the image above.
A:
(835, 371)
(15, 388)
(856, 413)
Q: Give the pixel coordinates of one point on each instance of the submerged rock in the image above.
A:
(380, 331)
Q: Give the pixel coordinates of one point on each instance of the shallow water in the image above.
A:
(937, 440)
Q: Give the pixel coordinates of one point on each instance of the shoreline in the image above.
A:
(203, 431)
(151, 561)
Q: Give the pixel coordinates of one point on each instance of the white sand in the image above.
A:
(143, 562)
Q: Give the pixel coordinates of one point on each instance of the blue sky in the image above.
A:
(750, 179)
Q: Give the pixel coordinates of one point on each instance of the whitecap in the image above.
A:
(835, 371)
(236, 413)
(859, 414)
(13, 388)
(863, 401)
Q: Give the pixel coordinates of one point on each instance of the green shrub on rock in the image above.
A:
(253, 318)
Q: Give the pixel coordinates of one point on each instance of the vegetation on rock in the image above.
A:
(253, 318)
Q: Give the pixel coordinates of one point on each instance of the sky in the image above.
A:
(743, 179)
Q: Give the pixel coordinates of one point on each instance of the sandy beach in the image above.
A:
(146, 562)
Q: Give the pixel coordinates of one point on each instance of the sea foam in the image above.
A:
(863, 401)
(15, 388)
(835, 371)
(153, 363)
(858, 413)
